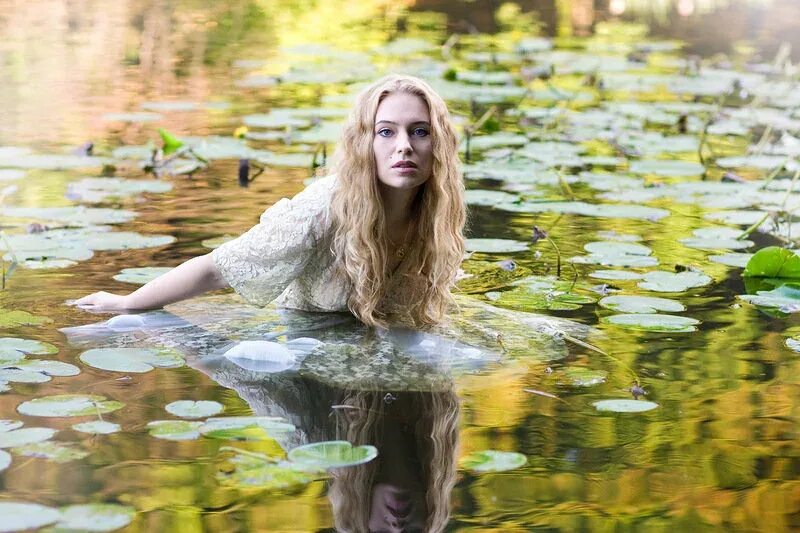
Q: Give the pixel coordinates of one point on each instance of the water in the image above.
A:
(720, 450)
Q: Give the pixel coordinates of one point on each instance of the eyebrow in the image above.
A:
(396, 124)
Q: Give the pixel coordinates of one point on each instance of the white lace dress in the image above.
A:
(286, 257)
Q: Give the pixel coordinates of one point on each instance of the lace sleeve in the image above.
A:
(262, 262)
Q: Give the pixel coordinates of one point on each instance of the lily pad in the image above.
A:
(785, 297)
(194, 409)
(733, 259)
(22, 376)
(662, 281)
(250, 470)
(488, 198)
(8, 425)
(773, 262)
(615, 275)
(493, 246)
(141, 275)
(97, 427)
(493, 461)
(641, 304)
(627, 211)
(175, 429)
(540, 292)
(69, 405)
(137, 360)
(332, 454)
(625, 405)
(27, 346)
(20, 516)
(53, 162)
(51, 368)
(134, 116)
(5, 461)
(95, 517)
(653, 322)
(579, 376)
(22, 436)
(79, 215)
(216, 242)
(57, 452)
(100, 189)
(666, 167)
(10, 319)
(245, 428)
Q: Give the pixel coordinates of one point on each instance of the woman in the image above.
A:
(381, 238)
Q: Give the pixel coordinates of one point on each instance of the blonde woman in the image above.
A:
(382, 237)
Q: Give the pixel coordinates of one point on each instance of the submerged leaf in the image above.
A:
(653, 322)
(174, 429)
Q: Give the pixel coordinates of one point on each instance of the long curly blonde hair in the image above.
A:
(436, 439)
(360, 241)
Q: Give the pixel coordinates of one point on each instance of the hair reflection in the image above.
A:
(407, 487)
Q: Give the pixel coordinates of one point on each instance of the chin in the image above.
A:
(402, 182)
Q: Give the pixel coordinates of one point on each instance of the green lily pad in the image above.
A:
(493, 461)
(245, 428)
(493, 246)
(99, 189)
(137, 360)
(614, 253)
(95, 517)
(53, 162)
(785, 297)
(733, 259)
(773, 262)
(78, 215)
(57, 452)
(332, 454)
(194, 409)
(249, 470)
(276, 119)
(16, 375)
(625, 405)
(717, 238)
(488, 198)
(578, 376)
(666, 167)
(641, 304)
(97, 427)
(22, 436)
(540, 292)
(766, 162)
(10, 319)
(174, 429)
(69, 405)
(662, 281)
(24, 346)
(8, 425)
(5, 460)
(495, 140)
(626, 211)
(20, 516)
(142, 275)
(653, 322)
(51, 368)
(615, 275)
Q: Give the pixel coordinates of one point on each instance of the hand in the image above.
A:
(102, 302)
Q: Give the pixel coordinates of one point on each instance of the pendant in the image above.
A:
(400, 253)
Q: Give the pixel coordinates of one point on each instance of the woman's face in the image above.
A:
(402, 141)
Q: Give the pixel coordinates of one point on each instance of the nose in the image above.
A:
(403, 143)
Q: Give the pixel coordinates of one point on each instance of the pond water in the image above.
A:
(618, 184)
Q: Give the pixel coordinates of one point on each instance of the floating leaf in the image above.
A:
(540, 292)
(216, 242)
(245, 427)
(51, 368)
(249, 470)
(493, 246)
(22, 376)
(654, 322)
(22, 436)
(97, 427)
(593, 210)
(785, 297)
(57, 452)
(141, 275)
(27, 346)
(625, 406)
(174, 429)
(666, 167)
(488, 198)
(579, 376)
(69, 405)
(135, 116)
(95, 517)
(493, 461)
(641, 304)
(5, 461)
(8, 425)
(10, 319)
(194, 409)
(615, 275)
(19, 516)
(137, 360)
(732, 259)
(773, 262)
(99, 189)
(661, 281)
(332, 454)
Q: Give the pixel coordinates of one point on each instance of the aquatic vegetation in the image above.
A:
(194, 409)
(136, 360)
(625, 406)
(492, 461)
(69, 405)
(331, 454)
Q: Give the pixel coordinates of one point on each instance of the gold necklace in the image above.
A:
(400, 253)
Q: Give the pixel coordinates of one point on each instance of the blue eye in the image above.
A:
(384, 132)
(421, 132)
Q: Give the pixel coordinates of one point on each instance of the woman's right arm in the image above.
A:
(192, 278)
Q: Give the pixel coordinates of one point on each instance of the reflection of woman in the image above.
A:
(380, 238)
(407, 487)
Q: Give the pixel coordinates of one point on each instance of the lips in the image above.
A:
(404, 164)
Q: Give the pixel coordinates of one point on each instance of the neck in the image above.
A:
(397, 205)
